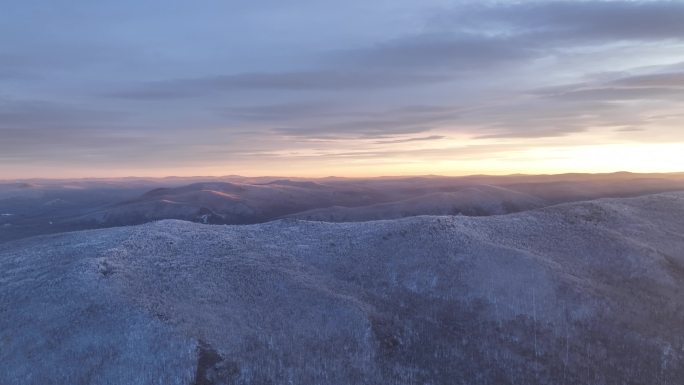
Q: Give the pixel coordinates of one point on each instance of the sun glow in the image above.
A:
(663, 157)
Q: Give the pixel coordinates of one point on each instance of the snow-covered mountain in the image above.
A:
(54, 206)
(579, 293)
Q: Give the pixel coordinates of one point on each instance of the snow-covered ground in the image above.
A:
(578, 293)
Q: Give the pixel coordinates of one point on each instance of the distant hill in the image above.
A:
(472, 201)
(44, 206)
(230, 203)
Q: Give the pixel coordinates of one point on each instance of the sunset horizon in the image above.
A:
(413, 87)
(357, 192)
(329, 176)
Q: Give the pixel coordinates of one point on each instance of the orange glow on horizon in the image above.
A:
(640, 158)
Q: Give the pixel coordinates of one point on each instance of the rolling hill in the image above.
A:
(35, 207)
(586, 292)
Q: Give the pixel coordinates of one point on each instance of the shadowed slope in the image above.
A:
(473, 201)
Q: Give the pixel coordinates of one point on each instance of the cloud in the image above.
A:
(648, 86)
(488, 36)
(39, 131)
(408, 140)
(280, 112)
(574, 21)
(324, 80)
(625, 93)
(547, 117)
(42, 114)
(463, 152)
(410, 120)
(225, 85)
(479, 38)
(666, 80)
(443, 51)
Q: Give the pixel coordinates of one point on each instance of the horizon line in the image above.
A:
(95, 178)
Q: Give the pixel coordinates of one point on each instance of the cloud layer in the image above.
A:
(151, 86)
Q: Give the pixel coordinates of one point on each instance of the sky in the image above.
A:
(349, 88)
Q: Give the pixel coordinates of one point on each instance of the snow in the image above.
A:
(589, 291)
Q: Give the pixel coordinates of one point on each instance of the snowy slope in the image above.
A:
(577, 293)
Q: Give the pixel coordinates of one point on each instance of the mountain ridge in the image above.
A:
(576, 292)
